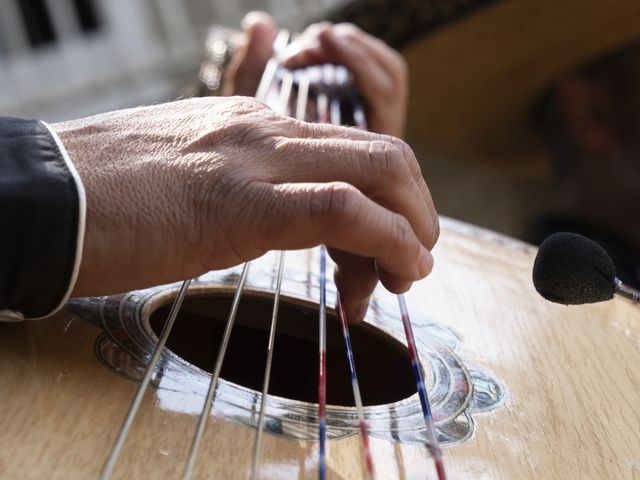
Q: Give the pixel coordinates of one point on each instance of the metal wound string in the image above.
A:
(213, 384)
(107, 470)
(257, 446)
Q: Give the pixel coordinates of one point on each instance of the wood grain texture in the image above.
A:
(573, 406)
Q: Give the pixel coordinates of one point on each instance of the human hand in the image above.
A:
(379, 72)
(243, 73)
(175, 190)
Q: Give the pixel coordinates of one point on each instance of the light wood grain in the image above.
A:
(573, 407)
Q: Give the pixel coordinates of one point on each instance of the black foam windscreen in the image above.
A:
(572, 269)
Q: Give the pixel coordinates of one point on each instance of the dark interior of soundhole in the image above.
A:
(382, 362)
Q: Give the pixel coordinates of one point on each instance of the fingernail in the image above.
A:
(425, 262)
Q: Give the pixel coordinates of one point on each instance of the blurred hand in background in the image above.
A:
(379, 72)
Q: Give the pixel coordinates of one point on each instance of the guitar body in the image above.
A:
(521, 388)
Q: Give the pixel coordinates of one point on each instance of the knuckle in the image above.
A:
(409, 157)
(403, 147)
(339, 200)
(342, 199)
(386, 161)
(314, 28)
(284, 125)
(301, 128)
(249, 121)
(402, 233)
(348, 30)
(287, 149)
(414, 167)
(240, 106)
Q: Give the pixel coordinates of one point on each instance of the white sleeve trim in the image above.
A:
(82, 214)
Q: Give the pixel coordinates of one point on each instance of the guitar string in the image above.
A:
(303, 86)
(434, 445)
(362, 423)
(301, 114)
(263, 88)
(257, 446)
(107, 469)
(302, 81)
(265, 83)
(337, 78)
(436, 453)
(272, 65)
(322, 103)
(282, 107)
(322, 367)
(213, 383)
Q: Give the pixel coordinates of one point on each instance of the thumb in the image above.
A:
(245, 70)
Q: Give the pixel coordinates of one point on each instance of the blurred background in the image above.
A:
(479, 70)
(61, 59)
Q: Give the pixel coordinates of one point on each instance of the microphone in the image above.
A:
(571, 269)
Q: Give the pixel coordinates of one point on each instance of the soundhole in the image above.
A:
(382, 362)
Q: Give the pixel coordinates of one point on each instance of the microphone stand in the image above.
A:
(626, 291)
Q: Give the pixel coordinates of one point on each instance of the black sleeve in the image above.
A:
(41, 220)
